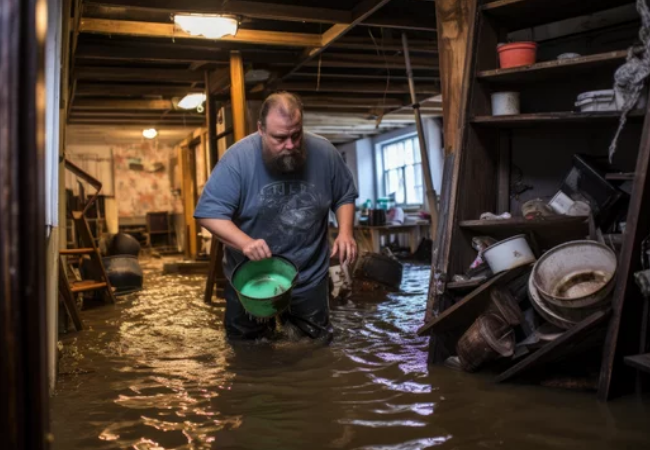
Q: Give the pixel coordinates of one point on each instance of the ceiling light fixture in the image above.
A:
(212, 26)
(192, 101)
(150, 133)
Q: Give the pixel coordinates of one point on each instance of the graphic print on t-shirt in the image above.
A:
(292, 209)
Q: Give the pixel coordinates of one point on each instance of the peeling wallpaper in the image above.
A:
(142, 179)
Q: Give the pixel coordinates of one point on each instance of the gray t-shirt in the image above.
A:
(289, 211)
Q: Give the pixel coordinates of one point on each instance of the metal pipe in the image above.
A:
(424, 154)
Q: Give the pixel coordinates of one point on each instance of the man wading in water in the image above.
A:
(271, 194)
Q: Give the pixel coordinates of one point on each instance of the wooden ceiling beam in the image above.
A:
(386, 45)
(140, 90)
(359, 88)
(173, 52)
(167, 30)
(361, 12)
(136, 74)
(365, 77)
(267, 10)
(127, 122)
(108, 104)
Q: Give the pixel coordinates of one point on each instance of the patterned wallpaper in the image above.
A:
(142, 180)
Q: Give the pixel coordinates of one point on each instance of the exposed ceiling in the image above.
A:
(344, 57)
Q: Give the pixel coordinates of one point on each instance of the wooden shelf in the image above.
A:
(521, 224)
(466, 310)
(520, 14)
(640, 362)
(556, 68)
(620, 176)
(548, 233)
(551, 118)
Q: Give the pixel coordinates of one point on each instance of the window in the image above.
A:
(403, 171)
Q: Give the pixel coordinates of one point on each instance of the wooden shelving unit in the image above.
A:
(520, 14)
(535, 149)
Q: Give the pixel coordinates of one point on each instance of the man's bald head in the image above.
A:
(284, 103)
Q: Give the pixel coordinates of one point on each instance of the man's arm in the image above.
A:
(344, 246)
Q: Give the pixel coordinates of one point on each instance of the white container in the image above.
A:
(597, 101)
(505, 103)
(508, 254)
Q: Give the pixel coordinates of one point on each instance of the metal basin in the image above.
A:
(577, 274)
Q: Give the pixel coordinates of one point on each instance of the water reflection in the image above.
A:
(155, 372)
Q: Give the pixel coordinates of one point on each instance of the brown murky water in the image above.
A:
(155, 372)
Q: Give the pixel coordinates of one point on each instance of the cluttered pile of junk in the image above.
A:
(525, 291)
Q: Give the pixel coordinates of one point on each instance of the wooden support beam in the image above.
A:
(385, 45)
(360, 77)
(107, 73)
(211, 124)
(358, 88)
(93, 104)
(139, 90)
(168, 30)
(238, 95)
(361, 12)
(219, 80)
(250, 9)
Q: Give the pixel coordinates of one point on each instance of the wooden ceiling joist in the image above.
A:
(359, 77)
(167, 30)
(273, 11)
(359, 88)
(106, 73)
(127, 105)
(130, 90)
(361, 12)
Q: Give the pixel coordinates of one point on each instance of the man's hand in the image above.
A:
(345, 248)
(257, 250)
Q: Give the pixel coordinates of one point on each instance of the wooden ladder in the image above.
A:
(102, 284)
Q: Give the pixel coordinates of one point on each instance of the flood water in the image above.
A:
(156, 372)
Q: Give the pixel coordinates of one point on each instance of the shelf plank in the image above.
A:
(628, 176)
(548, 232)
(520, 14)
(522, 225)
(465, 311)
(640, 362)
(581, 337)
(551, 118)
(547, 69)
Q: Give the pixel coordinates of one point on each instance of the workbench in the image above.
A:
(369, 237)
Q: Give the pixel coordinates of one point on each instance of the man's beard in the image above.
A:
(287, 161)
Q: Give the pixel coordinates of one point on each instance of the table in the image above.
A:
(369, 238)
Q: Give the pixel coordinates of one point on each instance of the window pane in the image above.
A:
(418, 174)
(416, 149)
(408, 151)
(400, 196)
(410, 184)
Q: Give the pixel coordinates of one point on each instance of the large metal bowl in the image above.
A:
(576, 274)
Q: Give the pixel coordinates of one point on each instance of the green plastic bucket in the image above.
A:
(264, 287)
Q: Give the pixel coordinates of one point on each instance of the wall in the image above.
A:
(361, 158)
(136, 191)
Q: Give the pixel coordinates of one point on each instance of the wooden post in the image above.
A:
(24, 409)
(238, 95)
(238, 106)
(455, 38)
(624, 329)
(211, 122)
(424, 153)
